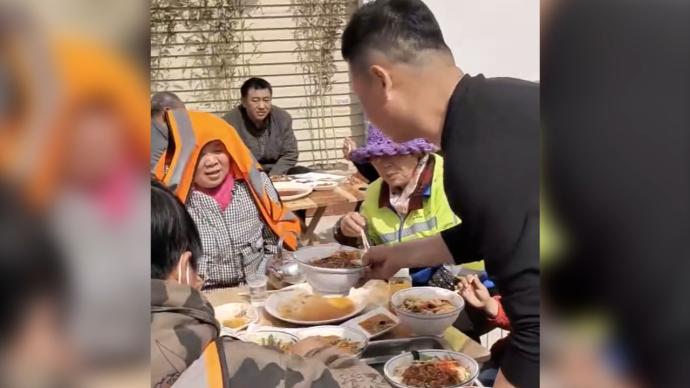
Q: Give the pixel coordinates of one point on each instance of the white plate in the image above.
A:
(231, 310)
(338, 331)
(303, 190)
(325, 186)
(257, 336)
(273, 303)
(354, 322)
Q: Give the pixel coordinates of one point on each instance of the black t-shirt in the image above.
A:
(492, 151)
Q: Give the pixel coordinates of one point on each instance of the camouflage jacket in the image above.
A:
(179, 336)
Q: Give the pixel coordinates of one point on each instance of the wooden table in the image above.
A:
(461, 342)
(350, 191)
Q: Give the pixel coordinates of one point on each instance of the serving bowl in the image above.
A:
(327, 281)
(427, 324)
(393, 368)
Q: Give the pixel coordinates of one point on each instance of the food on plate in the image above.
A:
(308, 307)
(280, 178)
(352, 347)
(273, 342)
(377, 324)
(434, 373)
(326, 184)
(289, 193)
(340, 259)
(235, 322)
(427, 306)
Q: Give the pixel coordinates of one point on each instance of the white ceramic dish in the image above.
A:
(339, 331)
(354, 323)
(259, 337)
(396, 365)
(273, 303)
(232, 310)
(327, 281)
(427, 324)
(302, 190)
(325, 186)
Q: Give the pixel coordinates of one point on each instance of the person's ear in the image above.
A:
(383, 77)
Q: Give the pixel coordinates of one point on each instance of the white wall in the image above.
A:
(493, 37)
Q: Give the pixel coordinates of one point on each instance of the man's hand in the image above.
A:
(383, 261)
(352, 225)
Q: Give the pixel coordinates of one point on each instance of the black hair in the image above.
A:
(255, 83)
(31, 265)
(173, 232)
(165, 100)
(400, 29)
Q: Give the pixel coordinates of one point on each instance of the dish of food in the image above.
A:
(434, 372)
(289, 191)
(376, 324)
(325, 186)
(340, 259)
(352, 347)
(433, 306)
(303, 308)
(317, 308)
(276, 340)
(235, 316)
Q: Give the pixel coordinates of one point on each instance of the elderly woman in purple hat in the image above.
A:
(407, 202)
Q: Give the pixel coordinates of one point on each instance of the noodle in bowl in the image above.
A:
(324, 280)
(433, 321)
(397, 369)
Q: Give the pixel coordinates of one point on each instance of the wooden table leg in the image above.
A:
(309, 231)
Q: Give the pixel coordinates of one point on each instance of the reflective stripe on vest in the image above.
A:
(420, 227)
(183, 127)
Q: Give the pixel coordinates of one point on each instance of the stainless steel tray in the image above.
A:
(379, 352)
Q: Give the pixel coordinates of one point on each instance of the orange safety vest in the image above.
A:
(189, 133)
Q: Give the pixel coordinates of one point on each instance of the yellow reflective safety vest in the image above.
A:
(385, 226)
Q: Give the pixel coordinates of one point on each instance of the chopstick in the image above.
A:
(365, 241)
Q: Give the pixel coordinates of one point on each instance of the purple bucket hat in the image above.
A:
(379, 144)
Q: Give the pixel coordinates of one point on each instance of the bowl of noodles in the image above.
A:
(431, 369)
(330, 269)
(427, 310)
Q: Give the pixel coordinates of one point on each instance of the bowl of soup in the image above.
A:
(331, 269)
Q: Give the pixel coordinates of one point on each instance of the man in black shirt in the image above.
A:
(407, 81)
(266, 129)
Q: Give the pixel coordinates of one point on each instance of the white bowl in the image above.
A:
(339, 331)
(327, 281)
(402, 361)
(229, 311)
(301, 190)
(427, 324)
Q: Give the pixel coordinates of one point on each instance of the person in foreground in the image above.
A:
(409, 85)
(408, 201)
(233, 203)
(266, 129)
(186, 349)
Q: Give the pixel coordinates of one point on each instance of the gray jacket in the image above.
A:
(275, 147)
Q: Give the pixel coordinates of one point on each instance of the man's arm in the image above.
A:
(289, 152)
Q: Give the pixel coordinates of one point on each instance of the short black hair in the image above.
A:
(399, 29)
(31, 263)
(173, 232)
(162, 100)
(255, 83)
